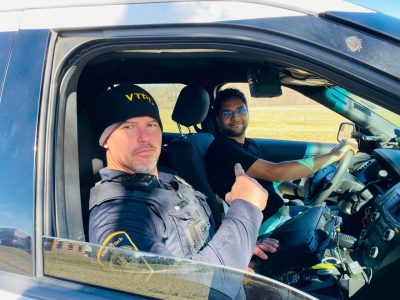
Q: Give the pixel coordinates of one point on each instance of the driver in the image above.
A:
(231, 146)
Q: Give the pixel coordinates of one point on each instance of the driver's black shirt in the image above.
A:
(221, 158)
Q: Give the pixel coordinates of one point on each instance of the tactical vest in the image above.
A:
(184, 211)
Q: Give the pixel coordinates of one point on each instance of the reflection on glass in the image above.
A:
(15, 251)
(156, 276)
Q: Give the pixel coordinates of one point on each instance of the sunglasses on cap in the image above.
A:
(227, 114)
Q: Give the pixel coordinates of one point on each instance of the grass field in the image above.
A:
(166, 282)
(307, 123)
(15, 260)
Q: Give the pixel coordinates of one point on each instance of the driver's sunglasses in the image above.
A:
(227, 114)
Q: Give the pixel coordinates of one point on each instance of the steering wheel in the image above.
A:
(332, 184)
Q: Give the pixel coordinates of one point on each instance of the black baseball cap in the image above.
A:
(119, 103)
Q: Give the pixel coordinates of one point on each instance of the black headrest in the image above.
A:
(192, 105)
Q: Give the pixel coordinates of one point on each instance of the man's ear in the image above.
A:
(105, 146)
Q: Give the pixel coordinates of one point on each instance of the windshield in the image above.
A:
(379, 110)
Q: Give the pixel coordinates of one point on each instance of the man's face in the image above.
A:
(135, 146)
(233, 117)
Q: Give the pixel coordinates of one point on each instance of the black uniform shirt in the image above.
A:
(221, 158)
(232, 245)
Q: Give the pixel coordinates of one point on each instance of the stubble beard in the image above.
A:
(233, 133)
(145, 169)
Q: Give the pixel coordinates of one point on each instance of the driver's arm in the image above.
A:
(291, 170)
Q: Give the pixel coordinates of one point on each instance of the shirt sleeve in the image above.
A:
(137, 220)
(234, 242)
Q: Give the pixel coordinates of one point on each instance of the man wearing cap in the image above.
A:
(141, 206)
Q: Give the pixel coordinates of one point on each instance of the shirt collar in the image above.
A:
(244, 145)
(107, 174)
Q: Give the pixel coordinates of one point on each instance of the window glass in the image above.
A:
(291, 116)
(379, 110)
(156, 276)
(6, 39)
(165, 96)
(15, 249)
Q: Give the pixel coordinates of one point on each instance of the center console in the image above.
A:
(314, 256)
(381, 231)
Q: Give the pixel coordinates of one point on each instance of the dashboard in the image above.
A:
(364, 230)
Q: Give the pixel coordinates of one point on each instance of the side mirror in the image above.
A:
(346, 130)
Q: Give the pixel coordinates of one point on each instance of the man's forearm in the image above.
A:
(319, 162)
(290, 170)
(234, 242)
(307, 166)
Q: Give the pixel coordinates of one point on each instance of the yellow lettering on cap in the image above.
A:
(139, 96)
(142, 96)
(129, 97)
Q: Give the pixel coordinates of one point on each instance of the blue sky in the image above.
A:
(388, 7)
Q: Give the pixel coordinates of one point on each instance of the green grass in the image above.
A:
(15, 260)
(133, 277)
(305, 123)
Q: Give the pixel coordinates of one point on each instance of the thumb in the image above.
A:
(228, 197)
(238, 170)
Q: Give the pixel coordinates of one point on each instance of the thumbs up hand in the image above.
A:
(247, 189)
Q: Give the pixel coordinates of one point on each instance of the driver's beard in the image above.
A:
(146, 169)
(232, 133)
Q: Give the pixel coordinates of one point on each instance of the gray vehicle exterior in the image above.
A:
(42, 46)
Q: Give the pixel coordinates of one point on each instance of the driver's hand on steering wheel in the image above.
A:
(345, 145)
